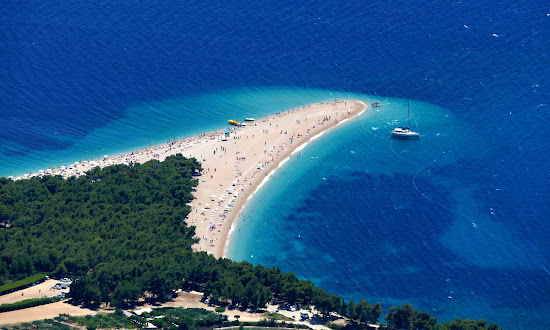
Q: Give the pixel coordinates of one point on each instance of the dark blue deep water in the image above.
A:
(456, 223)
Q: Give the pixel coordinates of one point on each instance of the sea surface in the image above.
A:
(456, 223)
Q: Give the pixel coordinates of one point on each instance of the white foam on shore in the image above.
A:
(231, 230)
(299, 148)
(270, 174)
(264, 181)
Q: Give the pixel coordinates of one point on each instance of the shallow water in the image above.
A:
(401, 221)
(454, 222)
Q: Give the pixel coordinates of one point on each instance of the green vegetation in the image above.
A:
(405, 317)
(122, 227)
(47, 324)
(116, 320)
(121, 232)
(173, 318)
(165, 318)
(277, 316)
(263, 324)
(186, 318)
(361, 312)
(26, 304)
(21, 284)
(467, 324)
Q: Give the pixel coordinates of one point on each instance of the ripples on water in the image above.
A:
(84, 79)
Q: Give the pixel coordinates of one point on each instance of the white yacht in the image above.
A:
(405, 132)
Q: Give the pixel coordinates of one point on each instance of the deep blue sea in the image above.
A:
(456, 223)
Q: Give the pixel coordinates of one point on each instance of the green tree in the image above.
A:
(373, 313)
(400, 317)
(352, 315)
(121, 232)
(126, 293)
(326, 303)
(423, 320)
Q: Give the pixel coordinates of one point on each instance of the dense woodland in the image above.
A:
(121, 231)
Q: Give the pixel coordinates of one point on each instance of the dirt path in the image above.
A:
(192, 300)
(42, 290)
(48, 311)
(184, 299)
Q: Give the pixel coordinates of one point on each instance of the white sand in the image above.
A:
(234, 168)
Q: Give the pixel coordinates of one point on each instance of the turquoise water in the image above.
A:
(364, 214)
(455, 223)
(361, 214)
(157, 122)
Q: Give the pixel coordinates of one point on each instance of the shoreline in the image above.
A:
(227, 183)
(228, 188)
(233, 217)
(235, 220)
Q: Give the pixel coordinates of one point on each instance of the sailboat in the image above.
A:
(405, 132)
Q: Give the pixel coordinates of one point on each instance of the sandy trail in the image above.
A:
(42, 290)
(191, 299)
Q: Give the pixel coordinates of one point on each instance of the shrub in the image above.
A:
(25, 304)
(17, 285)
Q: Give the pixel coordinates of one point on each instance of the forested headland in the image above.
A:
(121, 232)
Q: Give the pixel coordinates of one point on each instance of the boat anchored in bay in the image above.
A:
(405, 132)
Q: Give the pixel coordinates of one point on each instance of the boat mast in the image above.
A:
(408, 115)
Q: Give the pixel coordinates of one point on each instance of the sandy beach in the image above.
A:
(234, 163)
(247, 158)
(234, 167)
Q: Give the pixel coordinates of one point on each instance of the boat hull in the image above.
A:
(405, 133)
(405, 136)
